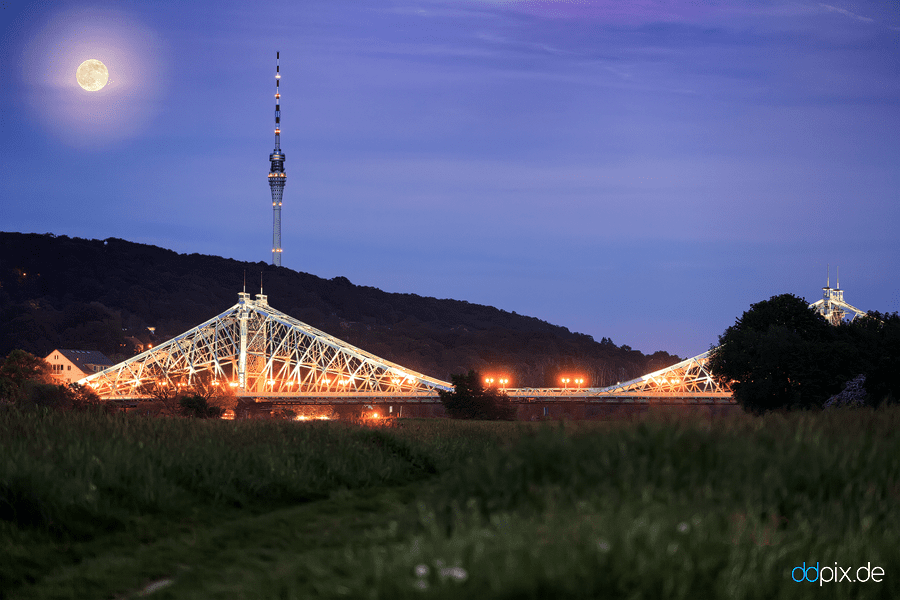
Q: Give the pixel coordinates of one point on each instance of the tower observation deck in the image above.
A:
(277, 176)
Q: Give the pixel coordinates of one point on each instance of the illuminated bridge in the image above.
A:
(264, 355)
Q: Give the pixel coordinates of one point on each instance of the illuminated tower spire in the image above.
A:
(277, 176)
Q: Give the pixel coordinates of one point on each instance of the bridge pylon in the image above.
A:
(833, 307)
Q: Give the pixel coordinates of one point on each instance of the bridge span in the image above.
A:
(267, 357)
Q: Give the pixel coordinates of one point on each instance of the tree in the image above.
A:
(21, 370)
(878, 337)
(165, 395)
(26, 380)
(472, 400)
(779, 354)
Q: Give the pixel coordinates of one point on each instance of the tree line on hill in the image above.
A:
(61, 292)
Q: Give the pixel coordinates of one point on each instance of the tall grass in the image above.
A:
(73, 472)
(665, 507)
(671, 508)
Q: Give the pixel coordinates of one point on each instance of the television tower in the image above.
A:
(277, 176)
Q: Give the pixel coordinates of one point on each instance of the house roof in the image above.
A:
(82, 358)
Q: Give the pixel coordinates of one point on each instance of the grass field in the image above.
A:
(116, 506)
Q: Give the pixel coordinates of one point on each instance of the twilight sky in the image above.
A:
(642, 171)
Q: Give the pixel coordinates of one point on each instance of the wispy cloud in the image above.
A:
(847, 13)
(611, 11)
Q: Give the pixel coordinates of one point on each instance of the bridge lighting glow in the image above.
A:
(489, 380)
(308, 418)
(503, 381)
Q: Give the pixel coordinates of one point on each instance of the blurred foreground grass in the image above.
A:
(112, 506)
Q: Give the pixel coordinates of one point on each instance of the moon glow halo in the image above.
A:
(92, 75)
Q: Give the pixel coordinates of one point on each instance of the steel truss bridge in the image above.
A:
(263, 354)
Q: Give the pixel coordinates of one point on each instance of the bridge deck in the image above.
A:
(517, 395)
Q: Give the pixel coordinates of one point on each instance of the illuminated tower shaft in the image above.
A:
(277, 176)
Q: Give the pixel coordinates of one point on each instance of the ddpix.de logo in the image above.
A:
(837, 574)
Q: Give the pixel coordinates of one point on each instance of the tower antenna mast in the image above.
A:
(277, 176)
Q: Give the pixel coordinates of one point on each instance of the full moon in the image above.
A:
(92, 75)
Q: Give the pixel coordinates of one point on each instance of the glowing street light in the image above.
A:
(503, 381)
(565, 381)
(489, 381)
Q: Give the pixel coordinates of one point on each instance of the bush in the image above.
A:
(199, 407)
(472, 400)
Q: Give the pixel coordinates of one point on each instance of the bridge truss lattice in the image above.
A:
(262, 352)
(687, 380)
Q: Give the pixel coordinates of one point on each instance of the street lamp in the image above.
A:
(489, 381)
(565, 382)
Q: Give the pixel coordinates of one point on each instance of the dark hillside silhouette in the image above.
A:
(61, 292)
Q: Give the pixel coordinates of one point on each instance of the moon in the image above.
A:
(92, 75)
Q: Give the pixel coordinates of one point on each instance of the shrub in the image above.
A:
(472, 400)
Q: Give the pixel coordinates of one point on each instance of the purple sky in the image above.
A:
(642, 171)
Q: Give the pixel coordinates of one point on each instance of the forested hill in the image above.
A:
(61, 292)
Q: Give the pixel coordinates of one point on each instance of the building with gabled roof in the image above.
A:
(68, 366)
